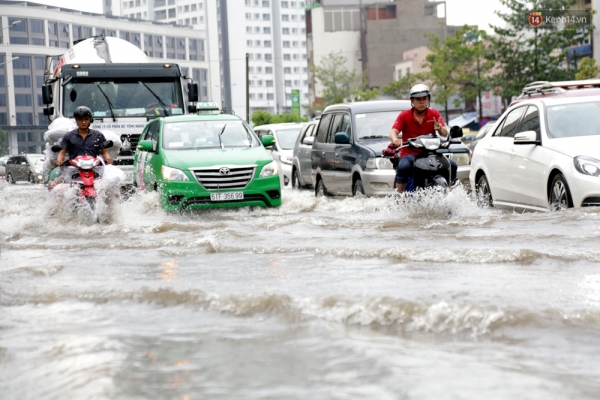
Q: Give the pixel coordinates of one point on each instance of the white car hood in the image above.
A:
(576, 146)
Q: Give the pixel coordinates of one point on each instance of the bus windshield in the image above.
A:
(124, 97)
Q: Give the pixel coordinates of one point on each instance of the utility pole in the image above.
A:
(247, 88)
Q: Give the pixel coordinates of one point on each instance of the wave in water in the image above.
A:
(404, 315)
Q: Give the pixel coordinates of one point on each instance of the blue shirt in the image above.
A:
(78, 146)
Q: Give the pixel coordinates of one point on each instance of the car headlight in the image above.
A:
(460, 158)
(379, 163)
(285, 159)
(269, 170)
(173, 174)
(587, 165)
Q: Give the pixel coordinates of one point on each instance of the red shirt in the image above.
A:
(408, 125)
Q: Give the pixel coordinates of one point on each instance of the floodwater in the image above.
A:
(330, 298)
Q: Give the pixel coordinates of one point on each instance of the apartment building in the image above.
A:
(271, 32)
(31, 31)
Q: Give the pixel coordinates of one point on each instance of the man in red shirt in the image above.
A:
(419, 120)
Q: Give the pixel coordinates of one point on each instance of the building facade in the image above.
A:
(32, 31)
(271, 32)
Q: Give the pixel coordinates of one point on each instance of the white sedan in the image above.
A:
(543, 154)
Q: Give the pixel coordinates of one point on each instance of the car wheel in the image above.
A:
(295, 180)
(559, 197)
(10, 179)
(358, 189)
(30, 178)
(484, 194)
(320, 189)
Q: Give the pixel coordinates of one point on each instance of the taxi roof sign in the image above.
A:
(207, 106)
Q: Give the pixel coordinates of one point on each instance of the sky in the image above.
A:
(460, 12)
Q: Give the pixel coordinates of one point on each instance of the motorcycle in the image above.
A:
(431, 168)
(84, 175)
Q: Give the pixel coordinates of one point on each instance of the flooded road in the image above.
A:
(335, 298)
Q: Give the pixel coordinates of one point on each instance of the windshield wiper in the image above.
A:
(110, 105)
(373, 137)
(220, 133)
(157, 98)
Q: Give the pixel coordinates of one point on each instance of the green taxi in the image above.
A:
(206, 160)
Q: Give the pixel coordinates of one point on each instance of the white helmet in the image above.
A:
(419, 90)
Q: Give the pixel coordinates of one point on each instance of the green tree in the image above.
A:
(261, 117)
(524, 54)
(339, 84)
(400, 88)
(587, 69)
(3, 142)
(365, 95)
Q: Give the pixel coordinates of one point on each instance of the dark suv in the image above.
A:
(25, 167)
(346, 152)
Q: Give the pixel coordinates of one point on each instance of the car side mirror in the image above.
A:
(192, 108)
(146, 145)
(48, 111)
(192, 92)
(456, 132)
(308, 140)
(108, 144)
(342, 138)
(527, 137)
(268, 140)
(56, 148)
(47, 94)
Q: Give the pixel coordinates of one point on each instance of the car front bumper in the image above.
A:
(585, 189)
(190, 195)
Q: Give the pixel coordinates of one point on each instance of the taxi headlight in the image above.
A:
(379, 163)
(285, 159)
(173, 174)
(269, 170)
(587, 165)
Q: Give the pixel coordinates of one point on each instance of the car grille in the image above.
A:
(133, 140)
(591, 202)
(215, 178)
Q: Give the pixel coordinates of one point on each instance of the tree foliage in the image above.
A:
(3, 142)
(261, 117)
(339, 83)
(400, 88)
(587, 69)
(457, 66)
(525, 54)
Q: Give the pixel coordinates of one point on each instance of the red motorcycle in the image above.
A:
(85, 175)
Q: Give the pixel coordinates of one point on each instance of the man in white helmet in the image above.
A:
(419, 120)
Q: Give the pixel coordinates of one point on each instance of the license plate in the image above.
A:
(227, 196)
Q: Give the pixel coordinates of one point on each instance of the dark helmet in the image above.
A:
(82, 112)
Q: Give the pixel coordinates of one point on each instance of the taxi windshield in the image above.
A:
(570, 120)
(207, 134)
(124, 97)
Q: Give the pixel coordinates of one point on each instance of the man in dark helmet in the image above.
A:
(419, 120)
(83, 140)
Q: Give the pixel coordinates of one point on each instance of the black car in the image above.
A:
(346, 155)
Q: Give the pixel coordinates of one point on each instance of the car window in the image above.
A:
(188, 135)
(570, 120)
(531, 121)
(323, 128)
(347, 126)
(287, 137)
(145, 133)
(374, 125)
(511, 122)
(336, 127)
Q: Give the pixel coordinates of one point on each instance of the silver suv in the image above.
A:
(25, 167)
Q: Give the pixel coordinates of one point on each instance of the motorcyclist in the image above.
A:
(81, 141)
(417, 121)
